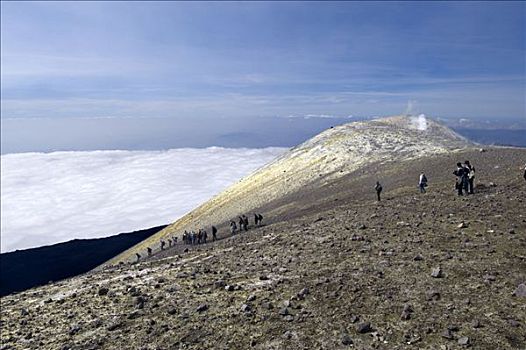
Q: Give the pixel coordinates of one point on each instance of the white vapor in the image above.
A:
(48, 198)
(420, 122)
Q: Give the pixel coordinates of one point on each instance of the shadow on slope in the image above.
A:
(24, 269)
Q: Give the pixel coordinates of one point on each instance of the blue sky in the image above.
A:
(238, 61)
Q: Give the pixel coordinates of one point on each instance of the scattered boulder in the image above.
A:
(114, 325)
(462, 225)
(463, 341)
(103, 291)
(74, 329)
(346, 339)
(202, 308)
(447, 334)
(520, 291)
(418, 257)
(284, 311)
(267, 305)
(406, 312)
(220, 284)
(302, 293)
(437, 273)
(433, 295)
(364, 327)
(476, 324)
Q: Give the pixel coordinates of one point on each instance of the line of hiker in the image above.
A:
(199, 237)
(244, 224)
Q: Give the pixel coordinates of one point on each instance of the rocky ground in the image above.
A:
(331, 269)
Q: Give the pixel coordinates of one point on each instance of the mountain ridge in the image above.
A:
(329, 155)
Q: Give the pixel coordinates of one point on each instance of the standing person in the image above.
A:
(205, 236)
(214, 233)
(245, 222)
(256, 219)
(260, 217)
(422, 183)
(460, 173)
(149, 250)
(138, 256)
(233, 227)
(241, 224)
(470, 174)
(378, 189)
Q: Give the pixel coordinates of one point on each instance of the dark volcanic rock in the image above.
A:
(364, 327)
(202, 307)
(346, 339)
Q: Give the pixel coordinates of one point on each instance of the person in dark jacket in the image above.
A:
(214, 233)
(422, 183)
(378, 189)
(461, 175)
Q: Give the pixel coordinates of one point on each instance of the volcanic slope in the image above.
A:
(333, 268)
(318, 162)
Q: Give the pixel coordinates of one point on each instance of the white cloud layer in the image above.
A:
(48, 198)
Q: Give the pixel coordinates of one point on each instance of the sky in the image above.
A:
(79, 70)
(49, 198)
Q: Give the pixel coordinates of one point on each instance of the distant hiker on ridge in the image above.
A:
(245, 222)
(470, 173)
(138, 256)
(378, 189)
(241, 224)
(422, 183)
(163, 243)
(233, 227)
(214, 233)
(149, 251)
(260, 217)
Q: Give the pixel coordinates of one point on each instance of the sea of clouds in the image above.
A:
(48, 198)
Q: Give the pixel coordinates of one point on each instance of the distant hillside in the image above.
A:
(502, 137)
(23, 269)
